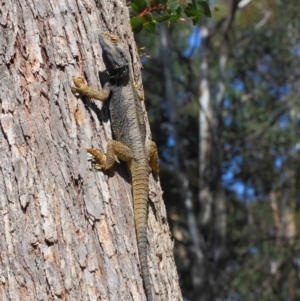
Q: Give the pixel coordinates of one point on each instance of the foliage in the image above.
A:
(148, 14)
(257, 137)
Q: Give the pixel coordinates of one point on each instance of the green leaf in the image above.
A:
(137, 24)
(197, 8)
(175, 17)
(196, 21)
(202, 6)
(151, 26)
(157, 2)
(148, 17)
(163, 18)
(173, 5)
(192, 12)
(138, 5)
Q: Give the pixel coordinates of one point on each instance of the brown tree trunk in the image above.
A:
(67, 230)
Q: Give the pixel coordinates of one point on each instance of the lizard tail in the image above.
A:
(140, 187)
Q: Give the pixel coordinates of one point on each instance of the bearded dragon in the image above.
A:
(129, 130)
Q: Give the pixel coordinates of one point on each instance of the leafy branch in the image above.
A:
(148, 14)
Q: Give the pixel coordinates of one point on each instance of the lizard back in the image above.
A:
(127, 120)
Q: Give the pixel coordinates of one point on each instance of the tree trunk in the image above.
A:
(67, 230)
(205, 126)
(179, 158)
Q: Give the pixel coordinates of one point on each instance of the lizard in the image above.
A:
(129, 130)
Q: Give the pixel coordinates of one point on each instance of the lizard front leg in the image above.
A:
(152, 156)
(114, 148)
(83, 89)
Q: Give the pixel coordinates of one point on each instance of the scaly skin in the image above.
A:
(130, 143)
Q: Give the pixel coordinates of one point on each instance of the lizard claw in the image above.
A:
(80, 86)
(99, 157)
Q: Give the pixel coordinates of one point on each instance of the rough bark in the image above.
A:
(67, 230)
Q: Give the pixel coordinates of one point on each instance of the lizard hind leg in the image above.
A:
(139, 93)
(114, 148)
(152, 155)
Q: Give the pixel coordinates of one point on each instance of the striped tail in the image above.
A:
(140, 187)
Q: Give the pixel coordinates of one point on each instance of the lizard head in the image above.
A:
(114, 55)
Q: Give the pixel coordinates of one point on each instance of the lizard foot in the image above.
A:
(80, 86)
(100, 158)
(83, 89)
